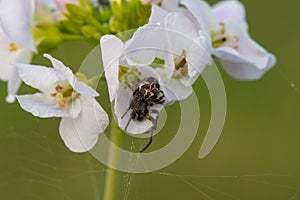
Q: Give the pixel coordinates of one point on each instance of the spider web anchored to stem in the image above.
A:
(35, 164)
(165, 185)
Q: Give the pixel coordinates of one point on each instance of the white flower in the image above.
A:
(63, 95)
(112, 55)
(16, 18)
(173, 38)
(16, 41)
(240, 56)
(11, 52)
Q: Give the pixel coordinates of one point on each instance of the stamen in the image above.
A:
(180, 65)
(223, 29)
(58, 88)
(59, 96)
(74, 94)
(13, 47)
(221, 38)
(235, 47)
(62, 103)
(65, 93)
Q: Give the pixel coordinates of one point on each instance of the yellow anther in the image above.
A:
(13, 47)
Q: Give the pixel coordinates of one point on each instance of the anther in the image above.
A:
(58, 88)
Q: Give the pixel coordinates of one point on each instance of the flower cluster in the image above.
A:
(176, 45)
(157, 65)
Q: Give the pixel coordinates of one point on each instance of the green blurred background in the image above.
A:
(257, 156)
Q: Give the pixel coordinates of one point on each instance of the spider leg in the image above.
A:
(156, 112)
(161, 99)
(125, 112)
(153, 128)
(129, 86)
(127, 124)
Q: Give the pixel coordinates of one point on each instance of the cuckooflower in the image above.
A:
(64, 95)
(16, 41)
(173, 38)
(16, 18)
(120, 76)
(11, 52)
(239, 54)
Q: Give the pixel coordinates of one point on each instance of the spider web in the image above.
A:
(35, 164)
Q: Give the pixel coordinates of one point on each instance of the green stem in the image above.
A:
(111, 179)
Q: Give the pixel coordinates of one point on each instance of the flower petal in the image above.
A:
(180, 24)
(175, 90)
(198, 57)
(15, 81)
(111, 48)
(15, 19)
(39, 77)
(170, 4)
(229, 10)
(81, 134)
(145, 46)
(77, 85)
(203, 13)
(44, 106)
(7, 56)
(13, 86)
(158, 15)
(249, 57)
(241, 68)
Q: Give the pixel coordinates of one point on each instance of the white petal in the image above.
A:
(39, 77)
(158, 15)
(44, 106)
(198, 57)
(15, 18)
(77, 85)
(180, 32)
(6, 57)
(202, 12)
(229, 10)
(174, 90)
(122, 102)
(170, 4)
(250, 61)
(81, 134)
(181, 24)
(169, 66)
(145, 46)
(252, 51)
(111, 48)
(13, 86)
(240, 68)
(15, 81)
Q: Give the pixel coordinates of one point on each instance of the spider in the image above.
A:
(145, 93)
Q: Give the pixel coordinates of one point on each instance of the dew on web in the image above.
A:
(288, 80)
